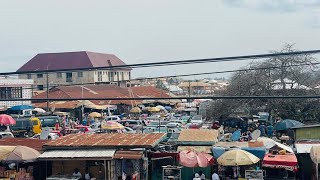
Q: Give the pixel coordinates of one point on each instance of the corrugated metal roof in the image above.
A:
(78, 154)
(205, 149)
(107, 140)
(198, 136)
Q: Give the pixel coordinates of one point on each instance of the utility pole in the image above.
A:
(189, 88)
(47, 92)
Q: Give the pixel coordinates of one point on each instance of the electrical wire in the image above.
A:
(169, 63)
(182, 75)
(165, 98)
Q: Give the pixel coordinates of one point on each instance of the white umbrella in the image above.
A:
(267, 142)
(39, 110)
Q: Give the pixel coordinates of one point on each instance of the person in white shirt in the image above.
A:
(76, 173)
(196, 177)
(215, 176)
(202, 176)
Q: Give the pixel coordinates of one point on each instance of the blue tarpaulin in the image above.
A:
(259, 152)
(217, 151)
(20, 107)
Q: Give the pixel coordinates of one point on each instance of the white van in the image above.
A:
(6, 135)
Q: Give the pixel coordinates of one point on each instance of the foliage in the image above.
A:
(280, 76)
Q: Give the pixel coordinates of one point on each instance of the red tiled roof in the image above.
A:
(70, 60)
(107, 140)
(31, 143)
(104, 91)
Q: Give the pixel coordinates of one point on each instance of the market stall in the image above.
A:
(280, 165)
(18, 160)
(231, 162)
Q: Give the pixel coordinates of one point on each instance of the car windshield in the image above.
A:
(35, 122)
(50, 122)
(185, 118)
(154, 123)
(21, 124)
(196, 117)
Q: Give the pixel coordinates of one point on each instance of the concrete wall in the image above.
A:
(308, 133)
(26, 85)
(97, 76)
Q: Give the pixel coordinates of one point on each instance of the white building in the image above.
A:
(11, 88)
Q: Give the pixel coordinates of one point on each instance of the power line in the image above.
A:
(185, 75)
(169, 63)
(166, 98)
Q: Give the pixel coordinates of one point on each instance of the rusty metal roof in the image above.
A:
(128, 155)
(198, 137)
(116, 140)
(31, 143)
(103, 91)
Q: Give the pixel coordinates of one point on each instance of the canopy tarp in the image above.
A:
(218, 151)
(259, 152)
(286, 161)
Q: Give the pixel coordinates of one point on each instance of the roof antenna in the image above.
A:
(109, 63)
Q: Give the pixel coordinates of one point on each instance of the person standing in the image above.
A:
(215, 176)
(76, 173)
(87, 174)
(262, 129)
(202, 176)
(196, 177)
(269, 130)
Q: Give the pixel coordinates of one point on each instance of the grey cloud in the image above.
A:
(274, 5)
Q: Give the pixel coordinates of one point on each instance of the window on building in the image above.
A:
(10, 92)
(59, 75)
(129, 75)
(99, 76)
(69, 77)
(29, 76)
(111, 76)
(80, 74)
(122, 76)
(39, 75)
(40, 87)
(16, 92)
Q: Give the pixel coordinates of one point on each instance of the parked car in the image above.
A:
(185, 119)
(197, 119)
(154, 126)
(133, 124)
(113, 118)
(51, 136)
(84, 129)
(6, 135)
(128, 130)
(174, 125)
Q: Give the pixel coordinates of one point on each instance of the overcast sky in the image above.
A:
(139, 31)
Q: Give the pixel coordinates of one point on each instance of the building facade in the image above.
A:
(15, 89)
(66, 65)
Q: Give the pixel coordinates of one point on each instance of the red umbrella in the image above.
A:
(7, 120)
(195, 159)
